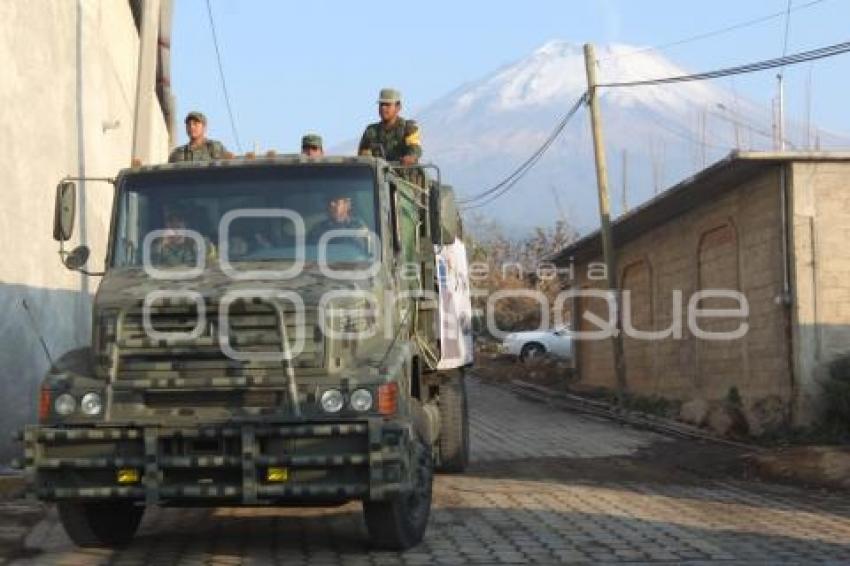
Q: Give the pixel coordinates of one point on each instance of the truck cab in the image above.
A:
(275, 331)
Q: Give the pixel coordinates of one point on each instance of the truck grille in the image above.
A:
(254, 336)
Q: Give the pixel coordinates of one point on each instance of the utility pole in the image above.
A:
(145, 80)
(809, 109)
(780, 126)
(605, 213)
(702, 146)
(625, 201)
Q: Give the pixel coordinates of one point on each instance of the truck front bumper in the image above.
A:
(236, 464)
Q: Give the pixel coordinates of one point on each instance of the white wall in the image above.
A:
(69, 66)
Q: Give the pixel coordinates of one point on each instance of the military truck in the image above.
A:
(240, 358)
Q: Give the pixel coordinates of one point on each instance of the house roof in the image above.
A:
(719, 178)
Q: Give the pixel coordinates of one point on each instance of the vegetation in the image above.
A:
(512, 263)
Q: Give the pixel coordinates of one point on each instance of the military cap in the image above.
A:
(195, 115)
(311, 140)
(389, 95)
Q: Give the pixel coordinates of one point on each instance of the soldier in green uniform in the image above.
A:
(394, 138)
(174, 248)
(339, 217)
(311, 145)
(199, 147)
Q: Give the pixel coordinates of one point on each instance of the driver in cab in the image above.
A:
(339, 217)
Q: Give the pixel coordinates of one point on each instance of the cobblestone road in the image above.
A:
(546, 487)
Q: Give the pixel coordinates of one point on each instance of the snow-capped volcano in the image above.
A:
(483, 130)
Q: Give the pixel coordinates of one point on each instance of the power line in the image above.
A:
(828, 51)
(705, 35)
(221, 76)
(511, 180)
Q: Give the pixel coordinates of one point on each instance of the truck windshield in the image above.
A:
(180, 214)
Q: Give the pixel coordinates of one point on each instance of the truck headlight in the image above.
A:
(92, 404)
(361, 400)
(332, 401)
(64, 404)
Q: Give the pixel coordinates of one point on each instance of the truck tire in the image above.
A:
(399, 523)
(532, 351)
(102, 524)
(454, 425)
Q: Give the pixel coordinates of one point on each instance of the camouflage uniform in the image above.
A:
(207, 151)
(399, 140)
(170, 254)
(394, 141)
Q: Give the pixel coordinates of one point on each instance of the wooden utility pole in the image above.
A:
(605, 212)
(625, 201)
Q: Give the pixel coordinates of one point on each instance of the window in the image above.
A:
(198, 200)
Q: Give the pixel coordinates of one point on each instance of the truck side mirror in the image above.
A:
(65, 210)
(77, 258)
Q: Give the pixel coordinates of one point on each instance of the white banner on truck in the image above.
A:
(455, 306)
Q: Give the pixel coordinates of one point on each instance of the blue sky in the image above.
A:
(298, 66)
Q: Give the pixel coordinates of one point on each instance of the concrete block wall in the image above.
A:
(820, 205)
(734, 242)
(69, 68)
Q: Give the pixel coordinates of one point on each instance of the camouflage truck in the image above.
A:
(258, 365)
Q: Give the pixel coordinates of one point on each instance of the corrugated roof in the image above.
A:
(719, 178)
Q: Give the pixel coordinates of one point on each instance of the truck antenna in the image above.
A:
(37, 333)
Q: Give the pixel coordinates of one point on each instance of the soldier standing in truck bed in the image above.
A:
(199, 147)
(393, 138)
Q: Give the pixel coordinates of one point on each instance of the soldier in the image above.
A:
(339, 218)
(311, 145)
(393, 138)
(175, 248)
(199, 147)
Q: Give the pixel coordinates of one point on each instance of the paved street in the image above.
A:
(546, 487)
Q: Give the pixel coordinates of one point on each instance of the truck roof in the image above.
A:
(243, 161)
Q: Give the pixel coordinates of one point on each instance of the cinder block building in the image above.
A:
(73, 79)
(773, 226)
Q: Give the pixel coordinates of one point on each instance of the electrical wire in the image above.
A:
(713, 33)
(823, 52)
(511, 180)
(221, 77)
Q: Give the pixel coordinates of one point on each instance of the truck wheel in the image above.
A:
(454, 425)
(399, 523)
(104, 524)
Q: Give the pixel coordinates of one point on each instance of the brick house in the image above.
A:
(774, 226)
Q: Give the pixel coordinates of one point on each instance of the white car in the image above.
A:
(535, 343)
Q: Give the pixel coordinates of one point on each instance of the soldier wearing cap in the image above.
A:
(199, 147)
(311, 145)
(393, 138)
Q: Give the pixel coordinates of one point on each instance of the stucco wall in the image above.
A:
(733, 242)
(821, 274)
(69, 69)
